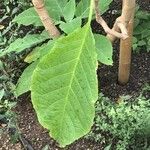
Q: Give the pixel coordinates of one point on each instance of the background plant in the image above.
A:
(71, 25)
(10, 67)
(62, 71)
(141, 39)
(124, 123)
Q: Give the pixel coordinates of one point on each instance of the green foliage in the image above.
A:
(39, 52)
(8, 32)
(62, 77)
(122, 124)
(141, 39)
(1, 93)
(7, 116)
(54, 7)
(25, 16)
(5, 108)
(69, 10)
(58, 9)
(65, 81)
(28, 41)
(24, 81)
(82, 9)
(104, 49)
(71, 25)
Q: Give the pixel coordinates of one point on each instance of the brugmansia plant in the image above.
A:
(62, 72)
(123, 24)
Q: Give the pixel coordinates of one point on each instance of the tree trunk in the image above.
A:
(126, 45)
(46, 20)
(125, 56)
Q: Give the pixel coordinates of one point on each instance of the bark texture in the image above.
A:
(46, 20)
(127, 18)
(128, 8)
(123, 29)
(125, 56)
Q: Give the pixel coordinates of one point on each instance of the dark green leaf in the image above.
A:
(64, 87)
(28, 41)
(39, 52)
(83, 7)
(71, 26)
(104, 49)
(24, 81)
(141, 43)
(69, 10)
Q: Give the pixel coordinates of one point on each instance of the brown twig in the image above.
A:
(101, 21)
(127, 16)
(46, 20)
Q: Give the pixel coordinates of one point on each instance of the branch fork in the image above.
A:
(46, 20)
(119, 29)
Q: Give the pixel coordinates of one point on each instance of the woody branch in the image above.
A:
(128, 7)
(101, 21)
(46, 20)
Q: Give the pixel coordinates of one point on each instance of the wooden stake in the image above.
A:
(125, 56)
(126, 45)
(46, 20)
(123, 29)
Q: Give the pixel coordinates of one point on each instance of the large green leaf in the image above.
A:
(24, 81)
(55, 8)
(64, 87)
(28, 41)
(83, 7)
(39, 52)
(71, 25)
(29, 16)
(69, 10)
(104, 49)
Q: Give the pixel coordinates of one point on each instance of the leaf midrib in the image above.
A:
(73, 74)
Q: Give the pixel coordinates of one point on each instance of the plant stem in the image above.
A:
(126, 45)
(91, 11)
(46, 20)
(125, 56)
(111, 32)
(128, 7)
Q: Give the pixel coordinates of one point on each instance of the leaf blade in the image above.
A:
(28, 41)
(82, 9)
(28, 17)
(104, 49)
(69, 90)
(69, 10)
(71, 26)
(24, 82)
(39, 52)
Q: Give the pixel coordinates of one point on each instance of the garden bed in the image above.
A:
(34, 136)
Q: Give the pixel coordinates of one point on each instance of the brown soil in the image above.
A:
(35, 137)
(38, 137)
(140, 75)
